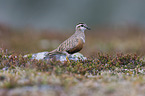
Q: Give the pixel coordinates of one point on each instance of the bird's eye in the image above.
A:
(82, 25)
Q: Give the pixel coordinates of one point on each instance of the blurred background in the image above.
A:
(29, 26)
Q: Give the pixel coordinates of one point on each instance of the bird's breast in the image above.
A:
(78, 46)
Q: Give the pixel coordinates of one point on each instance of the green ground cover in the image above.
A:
(121, 74)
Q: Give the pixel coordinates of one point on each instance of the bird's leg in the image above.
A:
(67, 55)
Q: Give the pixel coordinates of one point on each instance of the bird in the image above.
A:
(74, 43)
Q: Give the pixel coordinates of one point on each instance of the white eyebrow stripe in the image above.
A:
(78, 25)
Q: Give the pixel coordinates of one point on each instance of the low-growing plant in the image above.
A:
(91, 66)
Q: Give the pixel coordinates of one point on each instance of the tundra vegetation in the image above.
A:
(115, 64)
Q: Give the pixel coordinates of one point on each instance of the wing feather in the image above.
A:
(68, 44)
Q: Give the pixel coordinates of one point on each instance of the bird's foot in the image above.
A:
(67, 59)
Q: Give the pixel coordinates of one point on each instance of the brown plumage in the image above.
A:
(74, 43)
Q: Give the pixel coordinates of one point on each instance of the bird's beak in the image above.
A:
(88, 28)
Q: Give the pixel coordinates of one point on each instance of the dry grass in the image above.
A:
(114, 67)
(128, 39)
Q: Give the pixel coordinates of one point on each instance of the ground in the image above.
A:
(115, 65)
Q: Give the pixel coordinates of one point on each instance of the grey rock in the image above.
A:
(58, 57)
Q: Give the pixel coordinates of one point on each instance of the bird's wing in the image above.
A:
(68, 44)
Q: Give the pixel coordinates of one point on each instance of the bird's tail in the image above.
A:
(52, 52)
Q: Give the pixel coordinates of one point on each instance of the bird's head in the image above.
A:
(82, 27)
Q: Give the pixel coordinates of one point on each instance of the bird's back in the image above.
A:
(73, 44)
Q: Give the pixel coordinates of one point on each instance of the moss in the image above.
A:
(68, 76)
